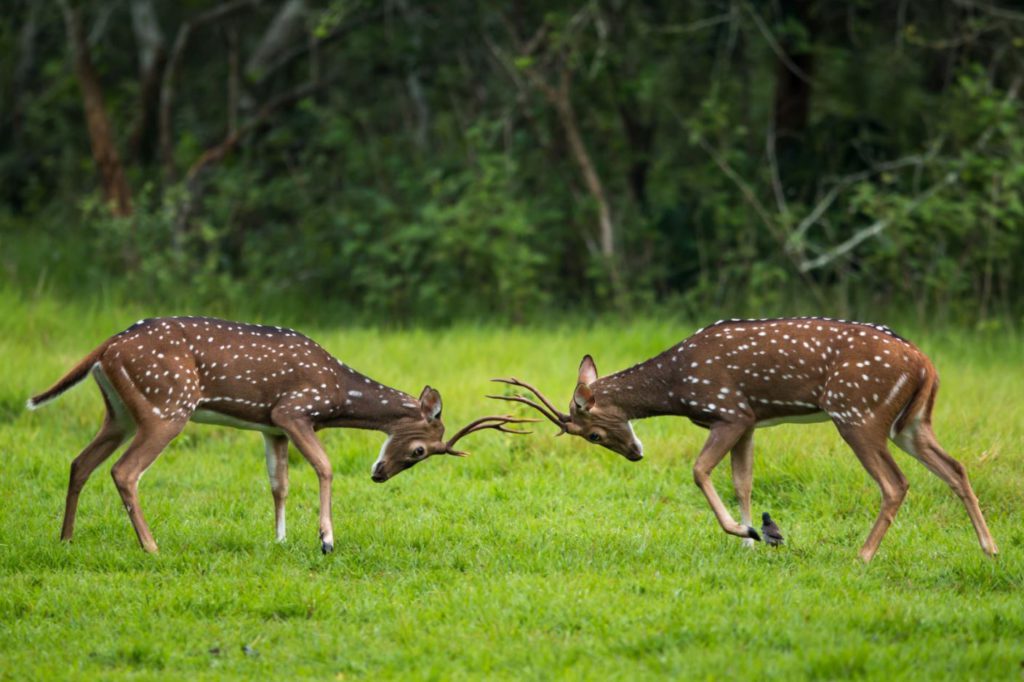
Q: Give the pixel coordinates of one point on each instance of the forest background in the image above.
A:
(422, 163)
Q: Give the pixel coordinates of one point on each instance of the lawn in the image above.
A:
(535, 558)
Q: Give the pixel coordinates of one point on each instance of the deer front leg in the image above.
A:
(743, 477)
(722, 438)
(277, 470)
(300, 431)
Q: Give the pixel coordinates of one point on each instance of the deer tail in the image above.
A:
(74, 375)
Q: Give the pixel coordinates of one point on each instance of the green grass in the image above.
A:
(536, 558)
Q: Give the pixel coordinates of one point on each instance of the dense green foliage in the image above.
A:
(535, 558)
(427, 170)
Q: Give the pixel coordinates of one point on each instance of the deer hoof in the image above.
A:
(753, 534)
(327, 547)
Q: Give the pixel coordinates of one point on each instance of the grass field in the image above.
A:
(536, 558)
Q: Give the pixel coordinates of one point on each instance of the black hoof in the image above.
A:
(752, 534)
(326, 548)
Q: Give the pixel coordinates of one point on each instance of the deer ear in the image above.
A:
(583, 398)
(430, 403)
(588, 370)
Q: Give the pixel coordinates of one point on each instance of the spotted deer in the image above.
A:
(161, 373)
(737, 375)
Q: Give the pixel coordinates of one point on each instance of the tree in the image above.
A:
(104, 148)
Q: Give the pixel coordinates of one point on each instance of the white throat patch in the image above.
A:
(639, 445)
(380, 457)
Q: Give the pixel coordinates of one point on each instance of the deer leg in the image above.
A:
(874, 456)
(918, 441)
(302, 434)
(150, 440)
(722, 438)
(109, 438)
(743, 477)
(277, 470)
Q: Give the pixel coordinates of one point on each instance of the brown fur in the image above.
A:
(737, 375)
(159, 374)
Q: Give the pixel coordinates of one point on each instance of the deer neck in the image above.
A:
(641, 391)
(362, 403)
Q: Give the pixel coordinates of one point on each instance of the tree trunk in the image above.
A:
(104, 150)
(26, 65)
(152, 51)
(792, 87)
(234, 79)
(567, 116)
(421, 109)
(218, 13)
(640, 135)
(792, 105)
(285, 28)
(560, 98)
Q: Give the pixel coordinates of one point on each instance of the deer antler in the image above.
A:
(556, 416)
(494, 422)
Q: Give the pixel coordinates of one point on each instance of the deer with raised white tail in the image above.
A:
(161, 373)
(737, 375)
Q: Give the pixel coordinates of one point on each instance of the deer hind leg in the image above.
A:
(743, 477)
(918, 440)
(722, 438)
(109, 438)
(277, 470)
(150, 440)
(877, 460)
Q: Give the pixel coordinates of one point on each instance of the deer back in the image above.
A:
(767, 371)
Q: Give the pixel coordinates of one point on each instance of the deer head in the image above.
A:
(598, 421)
(413, 440)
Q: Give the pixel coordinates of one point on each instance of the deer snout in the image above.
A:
(379, 475)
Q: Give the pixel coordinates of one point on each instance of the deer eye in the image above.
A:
(419, 452)
(594, 438)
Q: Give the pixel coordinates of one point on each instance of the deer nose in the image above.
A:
(378, 475)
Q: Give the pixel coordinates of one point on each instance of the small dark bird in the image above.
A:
(770, 531)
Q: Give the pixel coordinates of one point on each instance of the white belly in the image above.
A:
(811, 418)
(211, 417)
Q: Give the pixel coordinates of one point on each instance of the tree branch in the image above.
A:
(218, 13)
(220, 150)
(694, 26)
(994, 10)
(744, 188)
(844, 182)
(288, 22)
(875, 228)
(288, 56)
(773, 167)
(776, 47)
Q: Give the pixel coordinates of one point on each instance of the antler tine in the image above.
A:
(526, 401)
(496, 422)
(540, 396)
